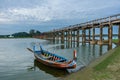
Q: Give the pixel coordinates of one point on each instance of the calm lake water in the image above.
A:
(17, 63)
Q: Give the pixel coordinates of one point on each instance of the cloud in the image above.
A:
(45, 15)
(5, 19)
(48, 12)
(39, 11)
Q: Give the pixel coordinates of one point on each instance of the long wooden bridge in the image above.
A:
(85, 32)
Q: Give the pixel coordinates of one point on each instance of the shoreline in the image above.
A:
(89, 72)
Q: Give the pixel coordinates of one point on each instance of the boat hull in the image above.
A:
(60, 65)
(53, 60)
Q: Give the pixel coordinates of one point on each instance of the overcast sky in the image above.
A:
(45, 15)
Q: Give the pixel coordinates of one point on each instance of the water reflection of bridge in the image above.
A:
(86, 32)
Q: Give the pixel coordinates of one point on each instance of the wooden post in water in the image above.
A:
(78, 38)
(71, 38)
(83, 36)
(48, 36)
(62, 36)
(110, 35)
(89, 35)
(57, 37)
(101, 35)
(100, 50)
(54, 35)
(74, 35)
(62, 39)
(93, 36)
(66, 38)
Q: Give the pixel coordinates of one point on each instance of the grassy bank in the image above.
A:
(115, 40)
(107, 67)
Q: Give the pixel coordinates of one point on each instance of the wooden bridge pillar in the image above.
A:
(83, 35)
(53, 35)
(110, 36)
(93, 36)
(67, 39)
(66, 35)
(71, 38)
(100, 50)
(78, 37)
(101, 35)
(57, 37)
(62, 37)
(89, 35)
(49, 35)
(74, 35)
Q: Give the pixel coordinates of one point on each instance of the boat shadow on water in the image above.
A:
(49, 70)
(53, 71)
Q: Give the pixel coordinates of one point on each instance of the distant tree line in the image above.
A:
(4, 36)
(31, 33)
(21, 35)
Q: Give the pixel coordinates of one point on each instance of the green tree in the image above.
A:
(21, 35)
(37, 32)
(32, 32)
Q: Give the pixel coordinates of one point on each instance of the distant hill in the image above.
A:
(31, 33)
(21, 35)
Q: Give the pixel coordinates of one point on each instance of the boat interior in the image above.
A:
(52, 57)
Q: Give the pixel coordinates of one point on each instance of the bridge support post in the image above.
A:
(93, 36)
(78, 38)
(57, 37)
(74, 34)
(66, 38)
(101, 34)
(83, 36)
(89, 35)
(100, 50)
(71, 38)
(48, 36)
(54, 36)
(110, 36)
(62, 37)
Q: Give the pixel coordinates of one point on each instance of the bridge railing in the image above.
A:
(101, 20)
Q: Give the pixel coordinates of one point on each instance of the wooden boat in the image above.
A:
(53, 60)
